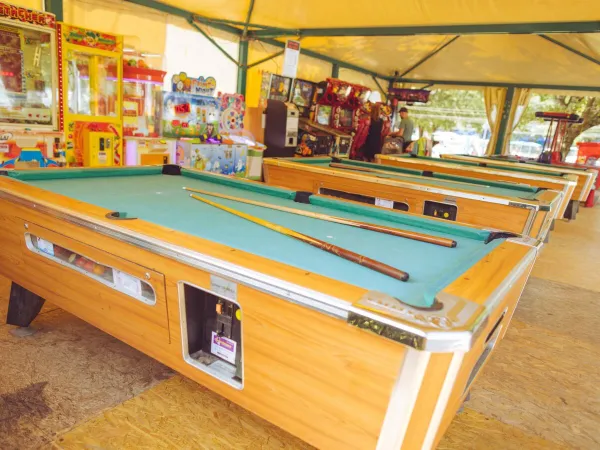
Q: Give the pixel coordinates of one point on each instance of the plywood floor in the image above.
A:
(71, 386)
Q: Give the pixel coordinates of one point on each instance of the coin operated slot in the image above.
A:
(212, 333)
(98, 149)
(440, 210)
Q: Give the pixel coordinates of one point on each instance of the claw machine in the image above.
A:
(142, 87)
(29, 135)
(91, 75)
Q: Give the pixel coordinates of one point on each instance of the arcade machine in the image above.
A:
(90, 73)
(190, 110)
(29, 135)
(141, 88)
(281, 116)
(311, 140)
(326, 96)
(275, 87)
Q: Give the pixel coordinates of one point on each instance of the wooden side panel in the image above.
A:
(424, 408)
(583, 178)
(114, 312)
(507, 306)
(471, 211)
(313, 375)
(485, 174)
(11, 229)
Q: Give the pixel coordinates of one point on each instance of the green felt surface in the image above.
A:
(465, 184)
(160, 199)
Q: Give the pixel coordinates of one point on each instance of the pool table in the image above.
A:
(331, 351)
(585, 177)
(520, 209)
(557, 182)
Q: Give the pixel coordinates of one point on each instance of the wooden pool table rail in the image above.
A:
(566, 184)
(510, 214)
(585, 178)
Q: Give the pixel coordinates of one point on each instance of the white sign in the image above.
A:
(223, 347)
(290, 60)
(223, 288)
(384, 203)
(45, 246)
(128, 284)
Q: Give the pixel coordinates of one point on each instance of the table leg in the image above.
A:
(23, 308)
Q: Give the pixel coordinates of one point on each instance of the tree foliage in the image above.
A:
(449, 109)
(588, 108)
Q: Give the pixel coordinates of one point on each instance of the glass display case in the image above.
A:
(141, 90)
(28, 81)
(93, 84)
(90, 92)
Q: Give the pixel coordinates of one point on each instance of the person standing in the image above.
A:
(374, 140)
(406, 128)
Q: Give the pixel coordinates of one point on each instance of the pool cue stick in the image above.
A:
(372, 264)
(443, 242)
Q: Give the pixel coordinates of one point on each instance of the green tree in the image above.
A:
(448, 109)
(588, 108)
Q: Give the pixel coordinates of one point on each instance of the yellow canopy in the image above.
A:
(486, 58)
(564, 59)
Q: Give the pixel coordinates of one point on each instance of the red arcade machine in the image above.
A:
(330, 115)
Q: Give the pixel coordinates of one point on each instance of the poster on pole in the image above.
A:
(290, 60)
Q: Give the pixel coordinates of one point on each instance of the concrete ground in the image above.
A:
(71, 386)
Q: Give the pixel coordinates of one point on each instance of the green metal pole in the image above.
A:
(55, 7)
(213, 42)
(335, 71)
(242, 67)
(265, 59)
(510, 94)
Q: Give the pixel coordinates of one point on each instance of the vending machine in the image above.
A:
(29, 135)
(91, 85)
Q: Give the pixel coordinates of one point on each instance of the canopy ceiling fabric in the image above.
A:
(489, 58)
(358, 13)
(486, 58)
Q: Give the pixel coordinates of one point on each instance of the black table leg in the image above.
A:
(23, 307)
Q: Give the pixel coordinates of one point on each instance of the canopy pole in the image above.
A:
(266, 58)
(335, 70)
(570, 49)
(55, 7)
(212, 41)
(428, 56)
(502, 129)
(556, 87)
(416, 30)
(250, 9)
(242, 75)
(329, 59)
